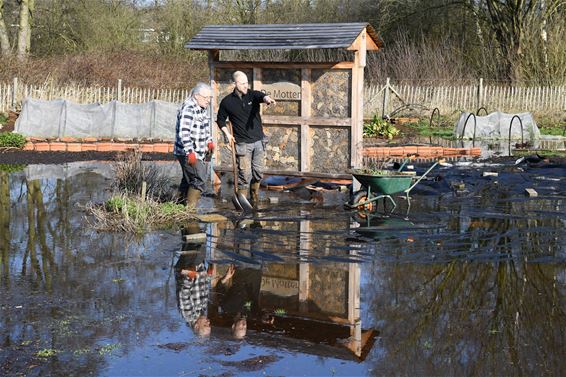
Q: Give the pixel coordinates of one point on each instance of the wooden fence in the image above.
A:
(386, 99)
(379, 99)
(12, 95)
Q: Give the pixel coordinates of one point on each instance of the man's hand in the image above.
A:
(229, 138)
(269, 101)
(192, 158)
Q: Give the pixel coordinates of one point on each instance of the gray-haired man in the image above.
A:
(193, 143)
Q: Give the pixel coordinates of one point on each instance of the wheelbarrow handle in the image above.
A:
(422, 176)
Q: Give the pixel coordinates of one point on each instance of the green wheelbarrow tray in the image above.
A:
(385, 184)
(379, 186)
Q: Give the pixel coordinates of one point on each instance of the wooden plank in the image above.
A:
(213, 56)
(283, 65)
(306, 102)
(297, 121)
(305, 148)
(356, 129)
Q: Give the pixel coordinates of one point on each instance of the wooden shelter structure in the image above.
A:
(316, 127)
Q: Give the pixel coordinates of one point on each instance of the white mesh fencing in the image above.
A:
(61, 118)
(496, 126)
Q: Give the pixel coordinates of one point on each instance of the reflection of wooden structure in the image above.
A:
(324, 113)
(321, 303)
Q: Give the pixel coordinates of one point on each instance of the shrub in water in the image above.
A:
(12, 140)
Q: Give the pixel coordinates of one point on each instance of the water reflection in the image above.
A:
(283, 304)
(471, 282)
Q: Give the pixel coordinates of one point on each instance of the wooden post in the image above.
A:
(480, 94)
(356, 137)
(143, 191)
(257, 83)
(305, 240)
(385, 99)
(306, 101)
(119, 91)
(213, 56)
(14, 94)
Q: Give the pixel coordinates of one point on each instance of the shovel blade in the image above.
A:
(236, 203)
(244, 203)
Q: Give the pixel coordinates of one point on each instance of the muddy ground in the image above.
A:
(15, 156)
(11, 156)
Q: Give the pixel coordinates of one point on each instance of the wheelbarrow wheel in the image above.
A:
(360, 197)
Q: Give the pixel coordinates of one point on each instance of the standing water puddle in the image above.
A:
(471, 281)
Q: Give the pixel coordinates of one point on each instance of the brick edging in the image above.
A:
(421, 151)
(59, 146)
(163, 147)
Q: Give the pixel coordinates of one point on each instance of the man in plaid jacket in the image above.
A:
(193, 143)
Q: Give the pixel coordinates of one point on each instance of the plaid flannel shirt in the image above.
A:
(193, 131)
(193, 295)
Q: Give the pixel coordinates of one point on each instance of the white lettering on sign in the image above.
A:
(282, 91)
(280, 287)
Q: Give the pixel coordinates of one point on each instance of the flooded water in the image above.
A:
(470, 281)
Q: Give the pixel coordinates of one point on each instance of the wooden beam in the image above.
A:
(356, 131)
(312, 121)
(305, 246)
(305, 150)
(257, 82)
(306, 101)
(242, 65)
(354, 118)
(213, 56)
(293, 173)
(362, 41)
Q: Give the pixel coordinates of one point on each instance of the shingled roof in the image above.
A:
(282, 36)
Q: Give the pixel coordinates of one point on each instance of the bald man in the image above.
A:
(241, 108)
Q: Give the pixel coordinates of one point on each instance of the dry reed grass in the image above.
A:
(131, 172)
(136, 69)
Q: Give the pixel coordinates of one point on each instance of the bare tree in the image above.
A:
(24, 32)
(4, 39)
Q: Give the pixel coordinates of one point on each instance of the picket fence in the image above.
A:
(378, 99)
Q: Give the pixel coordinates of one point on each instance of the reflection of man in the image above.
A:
(193, 287)
(241, 107)
(194, 279)
(239, 299)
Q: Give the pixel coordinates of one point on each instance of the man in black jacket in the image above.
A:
(241, 107)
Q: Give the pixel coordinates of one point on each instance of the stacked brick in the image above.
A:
(93, 144)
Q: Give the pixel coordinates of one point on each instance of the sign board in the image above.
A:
(279, 287)
(283, 91)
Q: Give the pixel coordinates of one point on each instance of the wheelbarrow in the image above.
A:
(382, 186)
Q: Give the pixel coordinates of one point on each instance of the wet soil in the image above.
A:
(11, 156)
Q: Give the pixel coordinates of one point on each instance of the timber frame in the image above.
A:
(356, 37)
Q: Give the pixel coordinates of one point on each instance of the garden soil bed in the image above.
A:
(11, 156)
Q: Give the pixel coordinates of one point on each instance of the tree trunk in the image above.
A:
(5, 49)
(24, 31)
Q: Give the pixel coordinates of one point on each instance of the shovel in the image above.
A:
(239, 200)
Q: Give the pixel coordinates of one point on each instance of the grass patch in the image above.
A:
(12, 140)
(47, 352)
(3, 119)
(108, 349)
(132, 214)
(423, 128)
(555, 130)
(11, 168)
